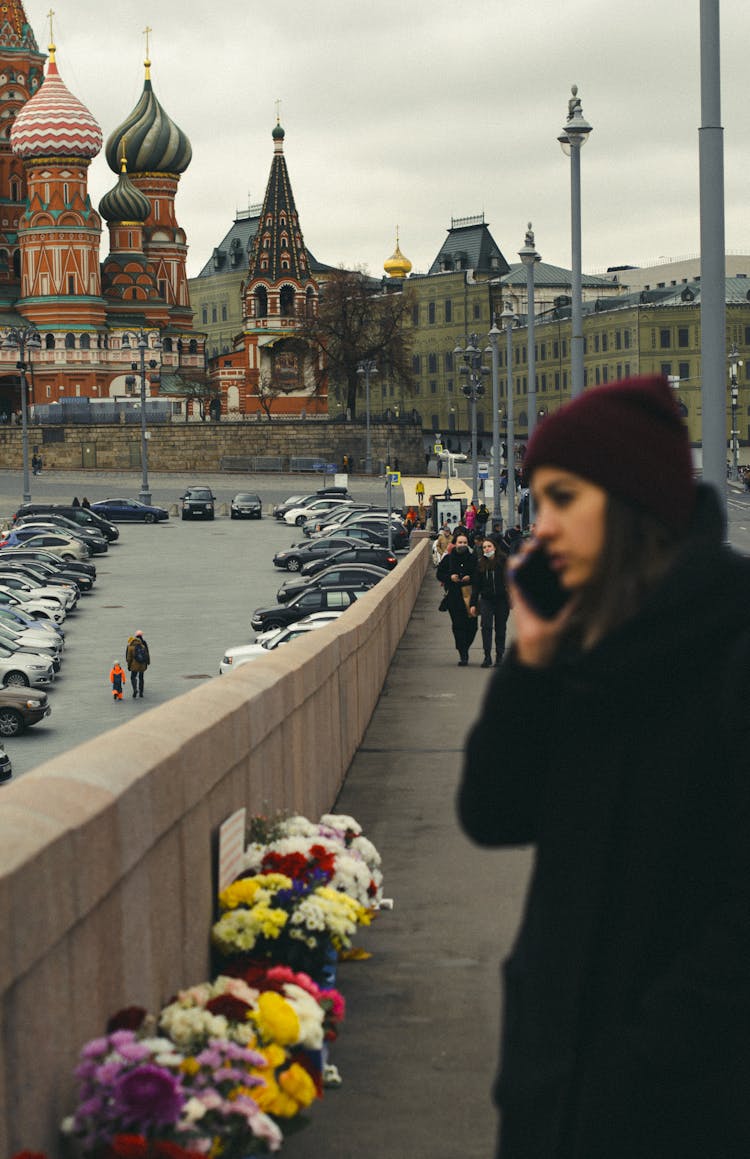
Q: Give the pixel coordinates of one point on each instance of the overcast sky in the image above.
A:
(410, 112)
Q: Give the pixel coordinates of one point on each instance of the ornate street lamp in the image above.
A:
(734, 362)
(367, 367)
(23, 338)
(509, 320)
(572, 139)
(472, 372)
(144, 340)
(494, 337)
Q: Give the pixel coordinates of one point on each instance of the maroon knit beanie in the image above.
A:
(629, 438)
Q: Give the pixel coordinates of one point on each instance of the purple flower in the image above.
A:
(121, 1038)
(210, 1057)
(133, 1051)
(95, 1048)
(105, 1075)
(148, 1095)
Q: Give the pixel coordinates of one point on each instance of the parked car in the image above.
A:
(92, 537)
(6, 768)
(281, 509)
(48, 585)
(331, 577)
(49, 572)
(15, 581)
(243, 653)
(246, 505)
(129, 511)
(316, 600)
(35, 639)
(317, 508)
(72, 567)
(38, 609)
(367, 553)
(20, 709)
(198, 503)
(82, 516)
(25, 668)
(337, 516)
(66, 546)
(295, 557)
(17, 617)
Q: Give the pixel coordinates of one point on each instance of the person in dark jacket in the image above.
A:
(489, 599)
(137, 658)
(456, 573)
(624, 738)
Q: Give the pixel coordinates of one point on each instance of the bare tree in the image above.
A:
(267, 391)
(358, 321)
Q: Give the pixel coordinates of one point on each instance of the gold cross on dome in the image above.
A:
(278, 112)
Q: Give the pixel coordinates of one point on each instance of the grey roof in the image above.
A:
(737, 293)
(233, 251)
(469, 246)
(549, 275)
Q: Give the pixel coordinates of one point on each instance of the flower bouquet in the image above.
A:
(143, 1097)
(273, 918)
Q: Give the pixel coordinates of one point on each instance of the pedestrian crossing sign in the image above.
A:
(394, 478)
(438, 448)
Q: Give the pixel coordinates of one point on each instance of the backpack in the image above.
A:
(139, 652)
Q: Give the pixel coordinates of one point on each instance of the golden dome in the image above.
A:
(397, 265)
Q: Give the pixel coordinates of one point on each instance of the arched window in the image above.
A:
(310, 302)
(70, 341)
(49, 342)
(193, 347)
(286, 301)
(261, 302)
(85, 342)
(15, 189)
(166, 345)
(17, 263)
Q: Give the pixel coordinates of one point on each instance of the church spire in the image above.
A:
(279, 252)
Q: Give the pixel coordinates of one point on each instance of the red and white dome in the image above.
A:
(54, 123)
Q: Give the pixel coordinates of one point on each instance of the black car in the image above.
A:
(129, 511)
(52, 521)
(295, 557)
(72, 567)
(246, 505)
(331, 577)
(51, 571)
(281, 509)
(6, 768)
(198, 503)
(379, 528)
(307, 602)
(83, 516)
(366, 553)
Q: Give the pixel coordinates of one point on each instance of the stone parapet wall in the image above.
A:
(107, 853)
(204, 446)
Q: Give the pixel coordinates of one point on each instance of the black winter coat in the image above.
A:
(626, 1032)
(459, 563)
(489, 580)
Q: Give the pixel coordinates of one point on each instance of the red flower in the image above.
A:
(138, 1147)
(232, 1008)
(129, 1018)
(30, 1155)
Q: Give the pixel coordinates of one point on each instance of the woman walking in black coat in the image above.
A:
(489, 597)
(456, 573)
(624, 742)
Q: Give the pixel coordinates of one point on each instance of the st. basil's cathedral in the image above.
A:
(87, 311)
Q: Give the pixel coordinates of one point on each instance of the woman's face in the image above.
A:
(570, 523)
(462, 542)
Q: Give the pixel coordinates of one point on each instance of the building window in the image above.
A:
(618, 340)
(605, 343)
(430, 312)
(544, 383)
(596, 344)
(557, 380)
(415, 315)
(224, 313)
(213, 314)
(448, 360)
(204, 315)
(665, 339)
(555, 349)
(85, 342)
(449, 385)
(605, 374)
(436, 422)
(683, 369)
(70, 342)
(49, 342)
(565, 380)
(71, 284)
(477, 311)
(597, 376)
(432, 363)
(666, 368)
(683, 336)
(417, 388)
(543, 349)
(448, 310)
(626, 339)
(162, 286)
(416, 367)
(433, 387)
(565, 349)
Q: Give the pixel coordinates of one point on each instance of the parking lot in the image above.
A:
(189, 586)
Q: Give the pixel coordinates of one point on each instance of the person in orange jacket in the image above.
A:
(117, 679)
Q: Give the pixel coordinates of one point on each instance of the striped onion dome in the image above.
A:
(150, 139)
(54, 123)
(124, 202)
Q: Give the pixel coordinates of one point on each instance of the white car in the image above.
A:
(63, 597)
(453, 456)
(25, 668)
(296, 516)
(244, 653)
(39, 607)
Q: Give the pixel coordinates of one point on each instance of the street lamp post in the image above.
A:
(508, 319)
(494, 337)
(367, 367)
(23, 338)
(142, 339)
(529, 258)
(572, 139)
(734, 362)
(473, 389)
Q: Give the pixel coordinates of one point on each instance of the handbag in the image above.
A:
(466, 593)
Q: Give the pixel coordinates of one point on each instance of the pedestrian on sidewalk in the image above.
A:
(456, 573)
(117, 680)
(137, 658)
(611, 740)
(489, 599)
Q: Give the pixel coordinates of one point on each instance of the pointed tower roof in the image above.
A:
(152, 141)
(278, 251)
(15, 30)
(54, 123)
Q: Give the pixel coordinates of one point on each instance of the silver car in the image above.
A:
(25, 668)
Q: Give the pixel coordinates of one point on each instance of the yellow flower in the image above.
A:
(271, 1099)
(274, 1055)
(189, 1066)
(276, 1019)
(296, 1082)
(240, 892)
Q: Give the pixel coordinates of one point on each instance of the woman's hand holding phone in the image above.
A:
(541, 606)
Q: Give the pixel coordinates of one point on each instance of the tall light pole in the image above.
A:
(529, 257)
(734, 362)
(23, 338)
(572, 139)
(494, 337)
(144, 340)
(508, 320)
(367, 367)
(472, 372)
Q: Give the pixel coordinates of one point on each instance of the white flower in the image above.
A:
(193, 1110)
(341, 822)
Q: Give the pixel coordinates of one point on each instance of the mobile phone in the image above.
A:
(539, 584)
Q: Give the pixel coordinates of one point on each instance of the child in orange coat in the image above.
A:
(116, 679)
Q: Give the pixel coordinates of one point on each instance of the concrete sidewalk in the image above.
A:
(418, 1049)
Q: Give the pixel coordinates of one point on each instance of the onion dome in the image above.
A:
(54, 123)
(151, 140)
(124, 202)
(397, 265)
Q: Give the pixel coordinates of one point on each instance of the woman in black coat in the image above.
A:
(624, 742)
(489, 598)
(456, 573)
